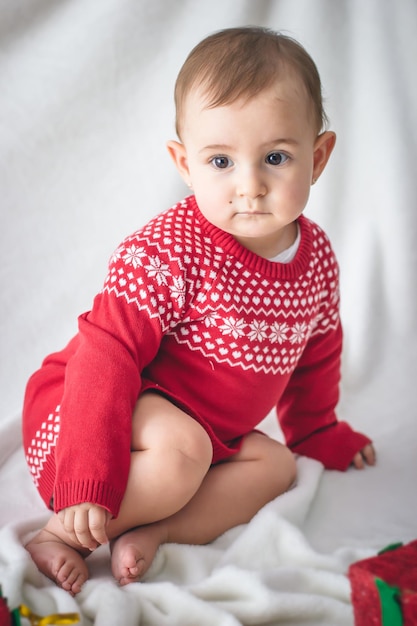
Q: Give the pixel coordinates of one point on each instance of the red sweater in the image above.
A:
(226, 334)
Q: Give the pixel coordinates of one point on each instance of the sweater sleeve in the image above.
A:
(307, 408)
(116, 340)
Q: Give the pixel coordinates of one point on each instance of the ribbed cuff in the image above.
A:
(70, 493)
(334, 446)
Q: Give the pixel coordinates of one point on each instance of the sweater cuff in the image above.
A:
(72, 493)
(334, 446)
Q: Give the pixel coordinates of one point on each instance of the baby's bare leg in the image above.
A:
(171, 453)
(231, 493)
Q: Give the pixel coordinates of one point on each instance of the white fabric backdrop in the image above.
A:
(85, 110)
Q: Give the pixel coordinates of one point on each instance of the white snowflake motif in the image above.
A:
(258, 330)
(233, 327)
(116, 255)
(299, 331)
(279, 332)
(134, 255)
(210, 319)
(157, 269)
(178, 290)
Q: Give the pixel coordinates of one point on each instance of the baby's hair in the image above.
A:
(241, 62)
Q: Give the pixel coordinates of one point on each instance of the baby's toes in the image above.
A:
(71, 577)
(78, 583)
(133, 575)
(131, 568)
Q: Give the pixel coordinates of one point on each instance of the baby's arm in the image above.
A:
(117, 339)
(86, 524)
(307, 408)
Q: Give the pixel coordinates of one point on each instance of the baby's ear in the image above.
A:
(179, 156)
(323, 148)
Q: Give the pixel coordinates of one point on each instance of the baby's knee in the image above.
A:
(280, 464)
(192, 447)
(187, 461)
(178, 441)
(289, 467)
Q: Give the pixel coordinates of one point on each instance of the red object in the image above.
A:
(398, 569)
(5, 617)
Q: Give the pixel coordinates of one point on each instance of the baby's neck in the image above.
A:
(271, 247)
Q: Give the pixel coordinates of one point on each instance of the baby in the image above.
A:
(143, 429)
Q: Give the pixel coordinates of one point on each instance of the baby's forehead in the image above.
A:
(282, 110)
(288, 85)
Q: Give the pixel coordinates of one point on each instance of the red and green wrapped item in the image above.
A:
(7, 617)
(13, 618)
(384, 587)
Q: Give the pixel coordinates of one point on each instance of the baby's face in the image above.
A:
(251, 163)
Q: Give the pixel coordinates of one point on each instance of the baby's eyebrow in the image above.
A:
(223, 147)
(217, 147)
(281, 140)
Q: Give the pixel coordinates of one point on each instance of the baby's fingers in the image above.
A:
(369, 455)
(365, 456)
(74, 522)
(97, 522)
(82, 530)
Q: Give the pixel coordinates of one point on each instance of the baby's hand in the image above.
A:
(86, 524)
(365, 456)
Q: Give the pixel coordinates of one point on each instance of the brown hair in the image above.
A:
(242, 62)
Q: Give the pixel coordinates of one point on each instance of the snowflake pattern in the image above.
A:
(157, 269)
(178, 290)
(233, 327)
(211, 319)
(299, 331)
(258, 330)
(133, 255)
(210, 302)
(279, 332)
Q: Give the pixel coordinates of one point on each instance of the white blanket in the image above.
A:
(85, 110)
(264, 572)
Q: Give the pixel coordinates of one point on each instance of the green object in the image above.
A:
(392, 546)
(16, 621)
(390, 606)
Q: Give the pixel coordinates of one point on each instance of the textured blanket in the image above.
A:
(264, 572)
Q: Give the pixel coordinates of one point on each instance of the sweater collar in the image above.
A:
(252, 261)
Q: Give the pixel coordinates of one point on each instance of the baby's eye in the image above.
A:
(221, 162)
(276, 158)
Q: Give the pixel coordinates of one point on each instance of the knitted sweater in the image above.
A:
(224, 333)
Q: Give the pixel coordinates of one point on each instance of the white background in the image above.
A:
(86, 107)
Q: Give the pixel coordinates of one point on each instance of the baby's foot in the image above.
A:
(57, 560)
(134, 551)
